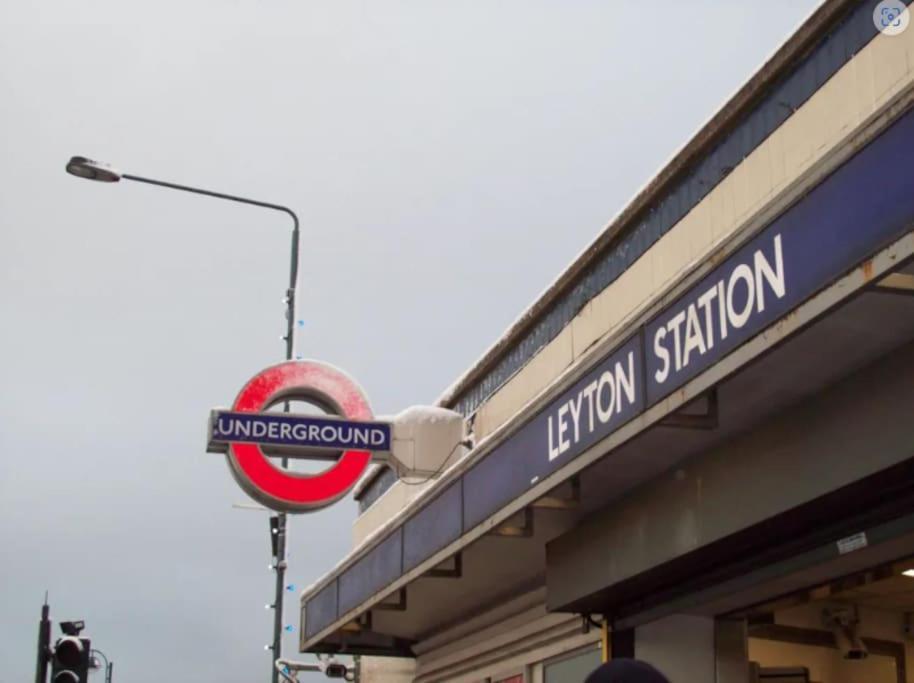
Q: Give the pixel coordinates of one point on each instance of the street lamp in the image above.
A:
(83, 167)
(92, 170)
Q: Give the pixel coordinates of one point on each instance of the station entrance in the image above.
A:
(853, 629)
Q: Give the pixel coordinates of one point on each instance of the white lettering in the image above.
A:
(606, 382)
(741, 272)
(587, 393)
(661, 353)
(704, 302)
(600, 399)
(553, 451)
(673, 326)
(722, 309)
(575, 407)
(625, 382)
(773, 276)
(564, 445)
(693, 336)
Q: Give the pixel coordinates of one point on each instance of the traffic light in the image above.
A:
(70, 661)
(275, 530)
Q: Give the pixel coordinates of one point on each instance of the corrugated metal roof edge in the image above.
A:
(795, 48)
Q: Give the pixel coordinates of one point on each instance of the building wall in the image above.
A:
(859, 90)
(801, 454)
(792, 157)
(680, 646)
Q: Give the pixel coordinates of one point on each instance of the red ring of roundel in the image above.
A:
(290, 490)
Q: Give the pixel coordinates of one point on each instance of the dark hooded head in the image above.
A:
(626, 671)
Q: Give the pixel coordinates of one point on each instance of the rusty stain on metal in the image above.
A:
(717, 257)
(867, 268)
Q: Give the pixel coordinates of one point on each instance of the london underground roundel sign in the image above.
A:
(243, 432)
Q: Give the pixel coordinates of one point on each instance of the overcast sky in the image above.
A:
(448, 160)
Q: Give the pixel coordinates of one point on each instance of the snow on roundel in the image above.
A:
(290, 491)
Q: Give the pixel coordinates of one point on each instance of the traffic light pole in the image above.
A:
(44, 643)
(280, 590)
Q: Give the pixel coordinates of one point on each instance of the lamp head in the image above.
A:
(82, 167)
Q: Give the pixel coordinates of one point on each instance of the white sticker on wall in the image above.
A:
(852, 543)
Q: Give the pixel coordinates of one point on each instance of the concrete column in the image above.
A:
(681, 646)
(622, 644)
(731, 651)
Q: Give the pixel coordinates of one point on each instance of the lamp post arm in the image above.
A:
(108, 665)
(210, 193)
(293, 270)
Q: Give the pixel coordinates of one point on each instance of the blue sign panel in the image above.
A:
(296, 431)
(608, 396)
(321, 610)
(381, 566)
(433, 527)
(865, 204)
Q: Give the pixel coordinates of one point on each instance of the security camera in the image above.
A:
(328, 666)
(335, 670)
(72, 628)
(843, 622)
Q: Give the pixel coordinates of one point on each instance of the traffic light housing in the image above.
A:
(275, 530)
(70, 661)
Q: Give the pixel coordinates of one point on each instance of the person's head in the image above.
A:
(626, 671)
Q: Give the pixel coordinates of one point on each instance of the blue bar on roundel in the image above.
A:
(296, 431)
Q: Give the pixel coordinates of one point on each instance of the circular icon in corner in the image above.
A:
(891, 17)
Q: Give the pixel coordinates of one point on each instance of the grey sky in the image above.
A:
(447, 159)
